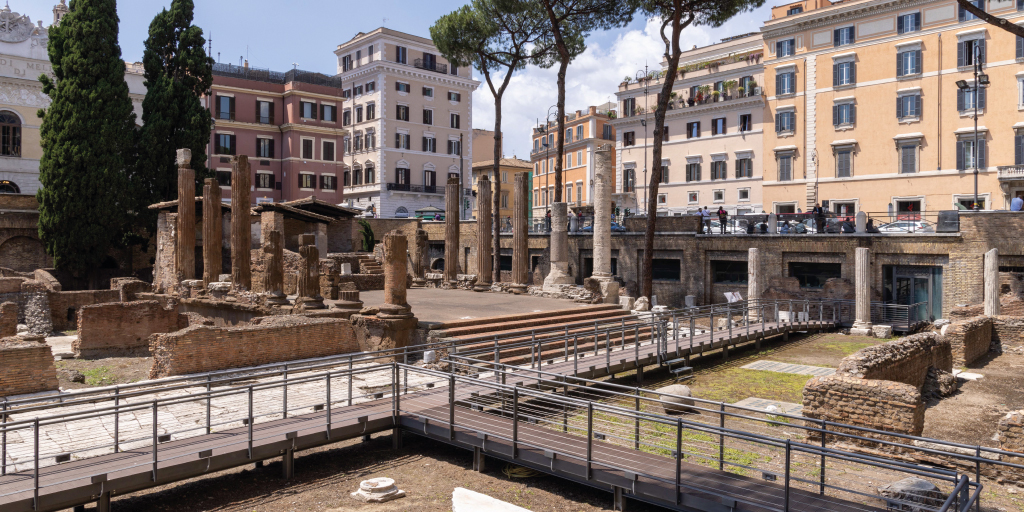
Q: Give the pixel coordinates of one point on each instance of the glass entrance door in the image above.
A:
(920, 287)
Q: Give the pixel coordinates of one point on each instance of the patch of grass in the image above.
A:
(845, 348)
(735, 384)
(98, 376)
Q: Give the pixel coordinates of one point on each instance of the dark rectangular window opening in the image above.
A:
(666, 270)
(729, 272)
(505, 262)
(814, 275)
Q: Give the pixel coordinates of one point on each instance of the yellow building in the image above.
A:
(507, 168)
(584, 132)
(868, 114)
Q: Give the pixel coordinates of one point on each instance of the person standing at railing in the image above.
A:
(723, 218)
(547, 220)
(819, 218)
(1016, 204)
(705, 221)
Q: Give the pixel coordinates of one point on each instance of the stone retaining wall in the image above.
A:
(1008, 330)
(25, 367)
(905, 360)
(203, 349)
(969, 339)
(64, 306)
(1011, 435)
(121, 328)
(877, 404)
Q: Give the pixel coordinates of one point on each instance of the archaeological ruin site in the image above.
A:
(828, 372)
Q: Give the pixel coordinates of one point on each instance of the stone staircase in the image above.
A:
(368, 265)
(549, 327)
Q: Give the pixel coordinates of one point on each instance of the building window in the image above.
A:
(568, 193)
(746, 123)
(428, 116)
(844, 114)
(693, 172)
(579, 157)
(908, 106)
(371, 177)
(225, 144)
(454, 147)
(455, 120)
(504, 199)
(908, 158)
(454, 96)
(346, 63)
(402, 176)
(629, 180)
(401, 54)
(908, 23)
(629, 139)
(966, 154)
(357, 176)
(568, 160)
(729, 272)
(691, 197)
(966, 98)
(785, 48)
(843, 36)
(307, 149)
(743, 194)
(1018, 149)
(785, 122)
(225, 108)
(568, 135)
(307, 110)
(967, 50)
(265, 112)
(329, 113)
(795, 10)
(403, 113)
(786, 167)
(844, 161)
(693, 130)
(371, 86)
(358, 139)
(328, 182)
(306, 181)
(908, 63)
(967, 16)
(718, 126)
(744, 168)
(844, 73)
(718, 170)
(10, 134)
(718, 196)
(429, 145)
(265, 148)
(814, 275)
(371, 111)
(402, 141)
(579, 132)
(402, 87)
(629, 107)
(785, 83)
(224, 178)
(264, 180)
(359, 114)
(428, 92)
(606, 132)
(328, 151)
(346, 117)
(666, 269)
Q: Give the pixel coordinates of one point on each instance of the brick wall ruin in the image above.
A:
(123, 328)
(905, 360)
(64, 306)
(8, 319)
(1010, 434)
(969, 340)
(1008, 330)
(25, 367)
(287, 338)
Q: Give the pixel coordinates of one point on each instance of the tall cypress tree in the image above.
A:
(87, 138)
(178, 73)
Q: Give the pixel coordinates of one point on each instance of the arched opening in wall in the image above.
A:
(10, 134)
(437, 265)
(402, 213)
(23, 254)
(9, 187)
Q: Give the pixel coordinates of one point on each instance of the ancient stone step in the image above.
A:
(514, 325)
(521, 317)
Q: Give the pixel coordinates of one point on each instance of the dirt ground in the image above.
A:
(426, 470)
(104, 372)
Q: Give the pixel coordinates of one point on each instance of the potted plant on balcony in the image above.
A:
(751, 87)
(672, 99)
(705, 95)
(625, 81)
(729, 86)
(690, 101)
(716, 95)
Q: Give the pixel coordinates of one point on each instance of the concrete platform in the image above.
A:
(435, 305)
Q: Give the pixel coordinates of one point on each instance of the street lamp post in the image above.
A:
(643, 75)
(980, 80)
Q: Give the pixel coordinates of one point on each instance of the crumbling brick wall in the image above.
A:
(1010, 433)
(905, 360)
(26, 367)
(64, 306)
(8, 319)
(123, 327)
(1008, 330)
(877, 404)
(969, 340)
(286, 338)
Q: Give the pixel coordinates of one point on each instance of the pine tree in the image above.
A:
(87, 137)
(178, 73)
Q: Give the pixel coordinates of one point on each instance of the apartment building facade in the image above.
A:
(407, 115)
(712, 146)
(286, 123)
(584, 133)
(897, 62)
(507, 170)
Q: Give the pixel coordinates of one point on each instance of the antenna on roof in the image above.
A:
(384, 22)
(295, 66)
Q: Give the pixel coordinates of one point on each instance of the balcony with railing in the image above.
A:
(1011, 172)
(430, 66)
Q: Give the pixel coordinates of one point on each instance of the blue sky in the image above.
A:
(278, 34)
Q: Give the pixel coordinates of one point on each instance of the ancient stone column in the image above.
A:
(241, 234)
(165, 271)
(451, 231)
(321, 238)
(273, 268)
(484, 261)
(212, 235)
(186, 254)
(773, 224)
(309, 275)
(395, 255)
(520, 236)
(991, 283)
(602, 249)
(862, 324)
(753, 280)
(559, 244)
(862, 222)
(419, 259)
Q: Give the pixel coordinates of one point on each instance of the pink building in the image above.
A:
(287, 123)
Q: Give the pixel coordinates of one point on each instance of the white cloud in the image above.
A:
(591, 79)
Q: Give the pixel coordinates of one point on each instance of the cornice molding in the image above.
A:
(394, 68)
(830, 16)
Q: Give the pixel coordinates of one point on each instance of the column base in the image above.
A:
(277, 299)
(559, 275)
(861, 329)
(518, 289)
(419, 282)
(482, 287)
(394, 311)
(310, 303)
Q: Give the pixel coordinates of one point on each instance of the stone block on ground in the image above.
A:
(678, 403)
(627, 303)
(642, 304)
(465, 500)
(882, 331)
(378, 490)
(913, 490)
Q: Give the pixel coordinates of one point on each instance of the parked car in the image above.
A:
(907, 226)
(616, 228)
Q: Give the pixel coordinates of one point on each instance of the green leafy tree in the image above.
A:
(178, 73)
(87, 131)
(675, 16)
(366, 231)
(569, 23)
(497, 37)
(995, 21)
